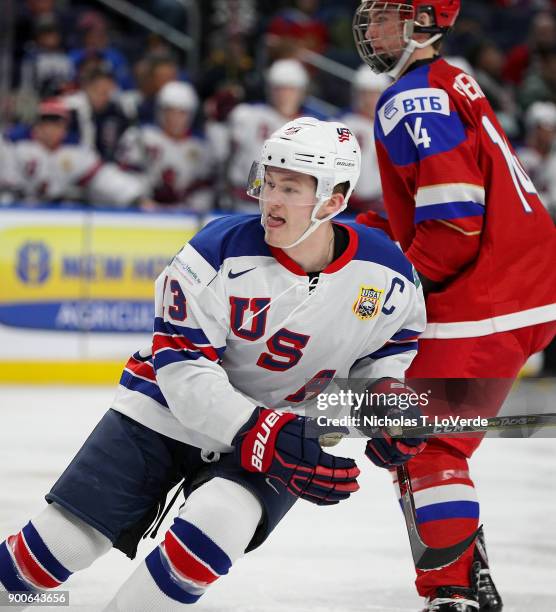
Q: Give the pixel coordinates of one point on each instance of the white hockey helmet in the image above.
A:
(367, 80)
(287, 73)
(178, 95)
(325, 150)
(541, 114)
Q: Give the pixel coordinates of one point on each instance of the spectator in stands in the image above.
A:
(367, 88)
(540, 83)
(487, 61)
(96, 42)
(542, 36)
(46, 170)
(228, 78)
(88, 63)
(98, 118)
(469, 29)
(229, 69)
(152, 73)
(32, 11)
(538, 156)
(46, 69)
(233, 16)
(177, 164)
(295, 29)
(251, 124)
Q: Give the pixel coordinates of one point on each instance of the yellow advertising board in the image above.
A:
(79, 272)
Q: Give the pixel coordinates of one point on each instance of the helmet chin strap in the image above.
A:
(411, 46)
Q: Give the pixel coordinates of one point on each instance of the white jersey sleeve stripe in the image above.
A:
(446, 194)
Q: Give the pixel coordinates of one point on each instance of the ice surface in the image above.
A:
(350, 558)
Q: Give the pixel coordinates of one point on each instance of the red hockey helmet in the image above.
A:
(384, 31)
(445, 12)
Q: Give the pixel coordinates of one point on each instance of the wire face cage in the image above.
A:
(382, 31)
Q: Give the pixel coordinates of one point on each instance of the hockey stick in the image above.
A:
(454, 426)
(425, 557)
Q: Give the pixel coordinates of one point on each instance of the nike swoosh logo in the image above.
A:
(269, 483)
(235, 275)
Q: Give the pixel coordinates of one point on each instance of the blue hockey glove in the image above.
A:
(275, 444)
(386, 451)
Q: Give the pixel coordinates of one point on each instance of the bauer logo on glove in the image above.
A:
(277, 444)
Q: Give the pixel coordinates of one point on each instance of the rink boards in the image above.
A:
(76, 296)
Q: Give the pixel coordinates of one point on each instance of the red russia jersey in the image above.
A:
(449, 174)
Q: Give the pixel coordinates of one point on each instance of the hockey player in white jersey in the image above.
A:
(251, 124)
(245, 314)
(538, 155)
(367, 88)
(7, 171)
(48, 170)
(176, 163)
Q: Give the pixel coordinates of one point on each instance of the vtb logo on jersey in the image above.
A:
(343, 134)
(390, 109)
(366, 306)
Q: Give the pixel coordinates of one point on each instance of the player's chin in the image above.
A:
(276, 232)
(276, 237)
(389, 58)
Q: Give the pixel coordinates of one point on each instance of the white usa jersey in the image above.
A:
(177, 170)
(7, 168)
(236, 327)
(68, 171)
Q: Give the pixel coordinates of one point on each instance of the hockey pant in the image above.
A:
(445, 497)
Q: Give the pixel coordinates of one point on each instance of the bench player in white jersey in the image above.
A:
(7, 171)
(47, 170)
(251, 124)
(538, 155)
(243, 321)
(367, 88)
(176, 163)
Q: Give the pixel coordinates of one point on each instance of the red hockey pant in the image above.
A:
(447, 508)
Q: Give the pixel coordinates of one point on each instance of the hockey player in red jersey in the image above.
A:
(469, 219)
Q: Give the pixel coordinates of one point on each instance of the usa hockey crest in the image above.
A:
(366, 305)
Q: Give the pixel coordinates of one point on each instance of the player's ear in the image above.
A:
(424, 19)
(332, 205)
